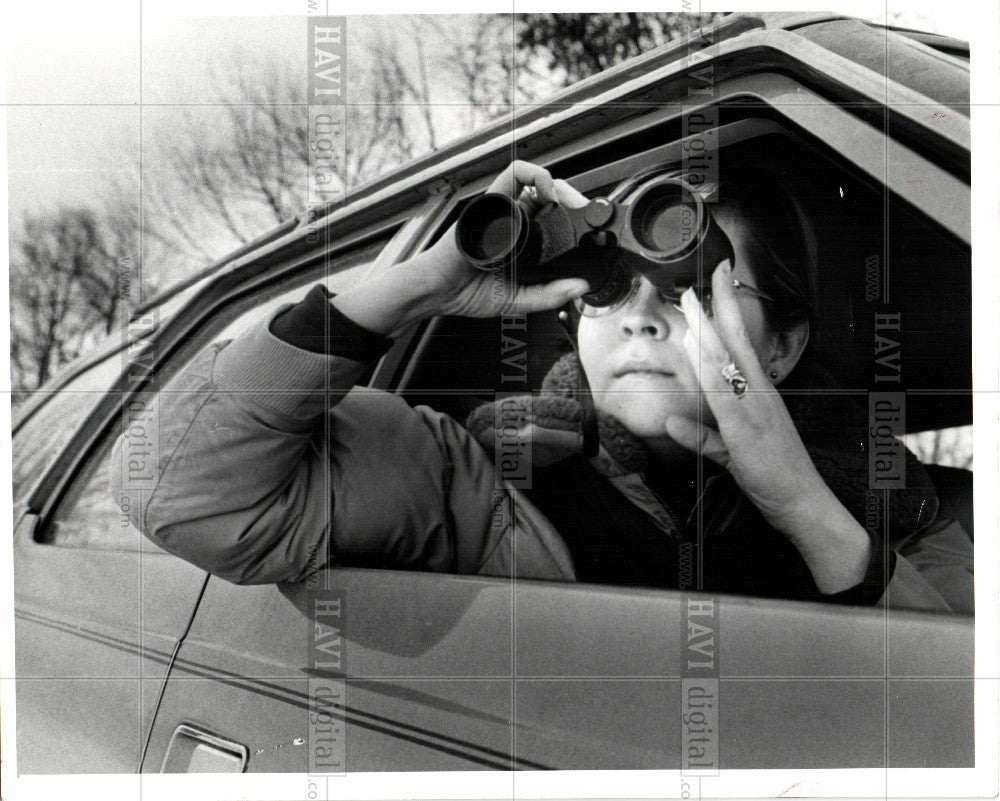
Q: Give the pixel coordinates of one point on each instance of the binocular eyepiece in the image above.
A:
(664, 232)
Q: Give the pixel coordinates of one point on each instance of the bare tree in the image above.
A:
(218, 177)
(66, 274)
(482, 66)
(214, 177)
(579, 45)
(386, 125)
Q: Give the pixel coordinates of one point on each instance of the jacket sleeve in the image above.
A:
(240, 490)
(934, 571)
(271, 467)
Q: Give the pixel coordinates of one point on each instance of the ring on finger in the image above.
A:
(736, 380)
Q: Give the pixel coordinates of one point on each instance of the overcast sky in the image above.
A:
(74, 91)
(76, 73)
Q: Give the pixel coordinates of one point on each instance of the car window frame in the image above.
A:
(767, 88)
(38, 398)
(51, 395)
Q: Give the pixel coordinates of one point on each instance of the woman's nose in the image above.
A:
(645, 315)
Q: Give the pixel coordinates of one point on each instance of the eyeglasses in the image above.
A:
(703, 293)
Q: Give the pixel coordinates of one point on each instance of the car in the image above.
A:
(129, 659)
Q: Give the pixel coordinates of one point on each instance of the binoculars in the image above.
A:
(663, 231)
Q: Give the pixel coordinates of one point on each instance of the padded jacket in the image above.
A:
(272, 465)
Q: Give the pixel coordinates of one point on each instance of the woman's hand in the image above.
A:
(757, 442)
(439, 281)
(470, 292)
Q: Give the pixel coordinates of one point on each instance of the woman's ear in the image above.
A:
(786, 350)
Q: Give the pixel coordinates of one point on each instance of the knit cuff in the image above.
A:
(261, 370)
(315, 325)
(870, 590)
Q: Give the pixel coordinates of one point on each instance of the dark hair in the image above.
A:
(780, 244)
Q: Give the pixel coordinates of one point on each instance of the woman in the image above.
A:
(251, 467)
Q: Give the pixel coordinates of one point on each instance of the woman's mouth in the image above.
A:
(642, 368)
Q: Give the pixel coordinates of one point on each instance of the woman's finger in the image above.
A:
(539, 297)
(705, 348)
(542, 180)
(530, 201)
(730, 326)
(699, 438)
(733, 412)
(568, 195)
(521, 174)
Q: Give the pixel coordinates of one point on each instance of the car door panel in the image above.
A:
(94, 633)
(438, 666)
(417, 699)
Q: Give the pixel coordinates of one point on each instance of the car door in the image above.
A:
(438, 672)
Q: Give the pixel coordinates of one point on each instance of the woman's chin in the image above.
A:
(653, 432)
(644, 425)
(648, 421)
(645, 420)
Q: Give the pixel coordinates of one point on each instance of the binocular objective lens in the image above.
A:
(663, 229)
(490, 229)
(495, 239)
(664, 222)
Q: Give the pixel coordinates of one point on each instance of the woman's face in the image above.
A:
(634, 357)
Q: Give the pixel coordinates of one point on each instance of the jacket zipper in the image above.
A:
(675, 521)
(682, 529)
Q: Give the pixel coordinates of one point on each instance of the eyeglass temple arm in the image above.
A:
(738, 284)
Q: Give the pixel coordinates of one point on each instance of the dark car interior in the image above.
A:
(871, 246)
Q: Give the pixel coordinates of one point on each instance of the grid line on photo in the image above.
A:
(513, 586)
(143, 735)
(884, 556)
(509, 677)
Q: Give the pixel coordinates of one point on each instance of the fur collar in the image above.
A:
(833, 430)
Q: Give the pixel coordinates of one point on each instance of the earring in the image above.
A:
(774, 375)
